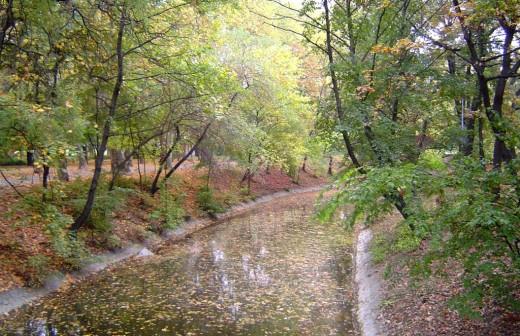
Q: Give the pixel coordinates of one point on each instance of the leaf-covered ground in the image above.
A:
(273, 272)
(419, 306)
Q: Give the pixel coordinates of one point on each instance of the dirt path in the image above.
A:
(26, 176)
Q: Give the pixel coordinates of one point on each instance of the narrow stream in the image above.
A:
(274, 271)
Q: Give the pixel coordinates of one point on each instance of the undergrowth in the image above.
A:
(170, 211)
(207, 202)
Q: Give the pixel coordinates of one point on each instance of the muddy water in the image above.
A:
(272, 272)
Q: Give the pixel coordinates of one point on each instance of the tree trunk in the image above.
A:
(7, 24)
(163, 161)
(46, 171)
(87, 208)
(304, 165)
(331, 162)
(30, 157)
(155, 185)
(422, 137)
(398, 200)
(82, 158)
(118, 162)
(467, 148)
(501, 152)
(168, 164)
(249, 177)
(335, 88)
(129, 163)
(63, 173)
(481, 138)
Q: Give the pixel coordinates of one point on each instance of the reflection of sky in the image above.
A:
(254, 273)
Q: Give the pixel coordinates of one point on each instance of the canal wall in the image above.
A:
(368, 284)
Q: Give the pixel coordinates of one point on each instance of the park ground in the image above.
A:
(418, 305)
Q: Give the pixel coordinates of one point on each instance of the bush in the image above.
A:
(70, 248)
(207, 202)
(126, 182)
(9, 161)
(464, 212)
(106, 202)
(38, 270)
(113, 242)
(170, 210)
(380, 248)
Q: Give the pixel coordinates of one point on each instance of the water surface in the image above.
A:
(272, 272)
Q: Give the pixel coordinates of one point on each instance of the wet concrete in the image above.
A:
(368, 287)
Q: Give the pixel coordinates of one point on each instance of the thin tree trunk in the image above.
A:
(124, 163)
(82, 158)
(164, 160)
(144, 169)
(467, 149)
(10, 184)
(155, 185)
(398, 200)
(139, 171)
(335, 88)
(30, 157)
(87, 209)
(129, 155)
(63, 173)
(422, 137)
(501, 152)
(46, 172)
(481, 138)
(8, 23)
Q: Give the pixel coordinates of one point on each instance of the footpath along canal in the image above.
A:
(272, 271)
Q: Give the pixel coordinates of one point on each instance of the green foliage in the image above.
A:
(113, 242)
(403, 240)
(380, 248)
(38, 270)
(10, 161)
(67, 246)
(170, 210)
(207, 202)
(107, 202)
(457, 210)
(372, 194)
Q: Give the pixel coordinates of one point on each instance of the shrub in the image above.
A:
(125, 182)
(106, 202)
(380, 248)
(70, 248)
(207, 202)
(170, 210)
(113, 242)
(10, 161)
(38, 270)
(473, 220)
